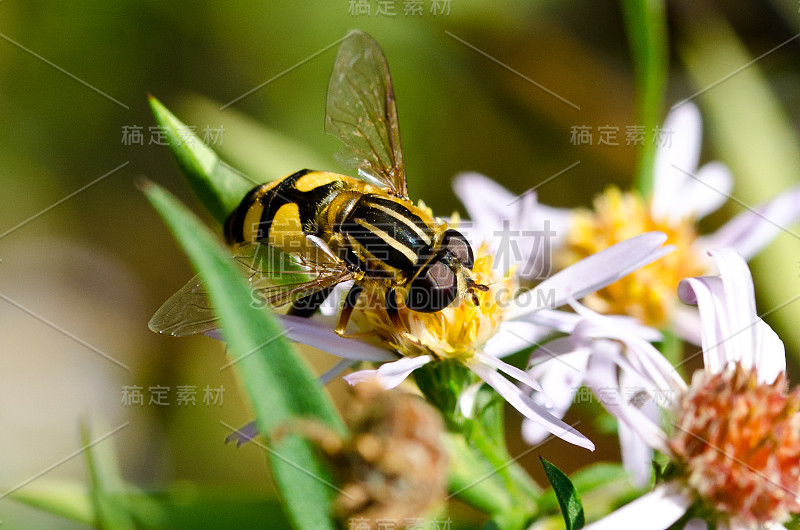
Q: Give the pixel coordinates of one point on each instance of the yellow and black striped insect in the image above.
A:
(330, 228)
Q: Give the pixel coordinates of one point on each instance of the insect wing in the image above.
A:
(187, 312)
(266, 264)
(279, 278)
(276, 279)
(361, 112)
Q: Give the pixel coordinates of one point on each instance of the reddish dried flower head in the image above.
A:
(739, 443)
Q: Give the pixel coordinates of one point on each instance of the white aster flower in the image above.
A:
(733, 435)
(682, 195)
(506, 321)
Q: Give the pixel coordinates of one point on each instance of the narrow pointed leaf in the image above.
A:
(218, 186)
(278, 382)
(105, 483)
(253, 147)
(183, 506)
(70, 500)
(567, 495)
(603, 486)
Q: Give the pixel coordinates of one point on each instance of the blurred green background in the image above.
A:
(80, 281)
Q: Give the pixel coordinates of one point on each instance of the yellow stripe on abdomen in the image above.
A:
(285, 231)
(252, 222)
(315, 179)
(404, 220)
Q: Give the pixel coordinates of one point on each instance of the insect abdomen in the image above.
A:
(283, 211)
(385, 234)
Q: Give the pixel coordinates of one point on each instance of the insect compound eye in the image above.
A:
(459, 247)
(434, 288)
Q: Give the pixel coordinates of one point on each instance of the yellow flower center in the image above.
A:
(737, 442)
(648, 293)
(457, 331)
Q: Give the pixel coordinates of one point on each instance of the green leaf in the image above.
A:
(183, 506)
(191, 507)
(187, 506)
(106, 483)
(596, 477)
(568, 498)
(218, 186)
(604, 488)
(645, 21)
(70, 500)
(259, 151)
(278, 382)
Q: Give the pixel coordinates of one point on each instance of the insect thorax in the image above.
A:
(386, 234)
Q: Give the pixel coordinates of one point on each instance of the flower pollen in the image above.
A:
(455, 332)
(649, 292)
(738, 443)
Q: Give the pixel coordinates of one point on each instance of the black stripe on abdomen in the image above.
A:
(402, 214)
(234, 226)
(308, 202)
(384, 236)
(271, 196)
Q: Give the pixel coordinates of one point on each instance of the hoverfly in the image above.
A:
(321, 229)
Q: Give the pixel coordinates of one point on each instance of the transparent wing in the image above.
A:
(361, 112)
(276, 279)
(279, 278)
(187, 312)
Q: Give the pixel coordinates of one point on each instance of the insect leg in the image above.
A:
(344, 316)
(394, 315)
(306, 306)
(393, 311)
(347, 309)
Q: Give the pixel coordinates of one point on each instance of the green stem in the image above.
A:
(672, 350)
(471, 478)
(482, 473)
(489, 440)
(499, 459)
(645, 21)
